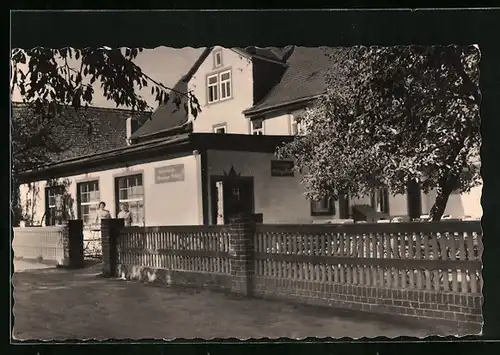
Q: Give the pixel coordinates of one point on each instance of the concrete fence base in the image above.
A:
(55, 245)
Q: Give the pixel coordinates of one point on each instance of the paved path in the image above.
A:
(62, 304)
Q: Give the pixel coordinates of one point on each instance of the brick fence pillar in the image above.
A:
(75, 244)
(241, 230)
(110, 231)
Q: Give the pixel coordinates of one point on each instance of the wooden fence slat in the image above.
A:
(435, 256)
(368, 255)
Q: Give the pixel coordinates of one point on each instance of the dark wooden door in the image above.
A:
(414, 199)
(238, 197)
(344, 205)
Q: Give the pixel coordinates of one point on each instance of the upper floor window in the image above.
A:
(220, 128)
(88, 201)
(225, 85)
(130, 193)
(257, 127)
(219, 86)
(213, 88)
(217, 59)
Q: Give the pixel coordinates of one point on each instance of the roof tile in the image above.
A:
(91, 131)
(167, 116)
(303, 78)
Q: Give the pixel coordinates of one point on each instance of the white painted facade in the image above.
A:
(168, 203)
(224, 111)
(279, 199)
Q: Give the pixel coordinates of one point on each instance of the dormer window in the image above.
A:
(218, 59)
(257, 127)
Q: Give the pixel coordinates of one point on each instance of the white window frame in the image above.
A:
(215, 86)
(219, 126)
(257, 131)
(132, 200)
(217, 54)
(52, 192)
(227, 84)
(94, 201)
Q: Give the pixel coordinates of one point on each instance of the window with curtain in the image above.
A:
(88, 201)
(130, 191)
(54, 205)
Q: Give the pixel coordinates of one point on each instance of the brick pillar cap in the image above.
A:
(240, 218)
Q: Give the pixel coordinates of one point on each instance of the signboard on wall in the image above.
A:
(282, 168)
(169, 173)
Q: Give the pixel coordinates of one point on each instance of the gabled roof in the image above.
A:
(173, 114)
(89, 131)
(303, 79)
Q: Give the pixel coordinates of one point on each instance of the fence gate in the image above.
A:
(92, 242)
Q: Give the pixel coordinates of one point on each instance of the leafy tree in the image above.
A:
(391, 115)
(66, 77)
(51, 80)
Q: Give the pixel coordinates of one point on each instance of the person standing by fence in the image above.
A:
(125, 214)
(102, 213)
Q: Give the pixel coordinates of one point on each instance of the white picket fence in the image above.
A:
(41, 243)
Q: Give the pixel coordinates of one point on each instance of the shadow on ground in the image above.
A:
(80, 304)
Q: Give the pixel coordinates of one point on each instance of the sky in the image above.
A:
(163, 64)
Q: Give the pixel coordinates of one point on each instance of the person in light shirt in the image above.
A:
(102, 213)
(125, 214)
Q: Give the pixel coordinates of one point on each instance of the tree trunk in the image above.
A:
(444, 190)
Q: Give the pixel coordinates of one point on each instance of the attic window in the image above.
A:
(217, 59)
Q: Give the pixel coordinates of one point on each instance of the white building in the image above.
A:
(170, 169)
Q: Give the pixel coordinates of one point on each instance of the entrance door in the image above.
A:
(344, 205)
(414, 199)
(237, 197)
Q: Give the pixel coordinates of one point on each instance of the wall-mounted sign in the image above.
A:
(282, 168)
(169, 173)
